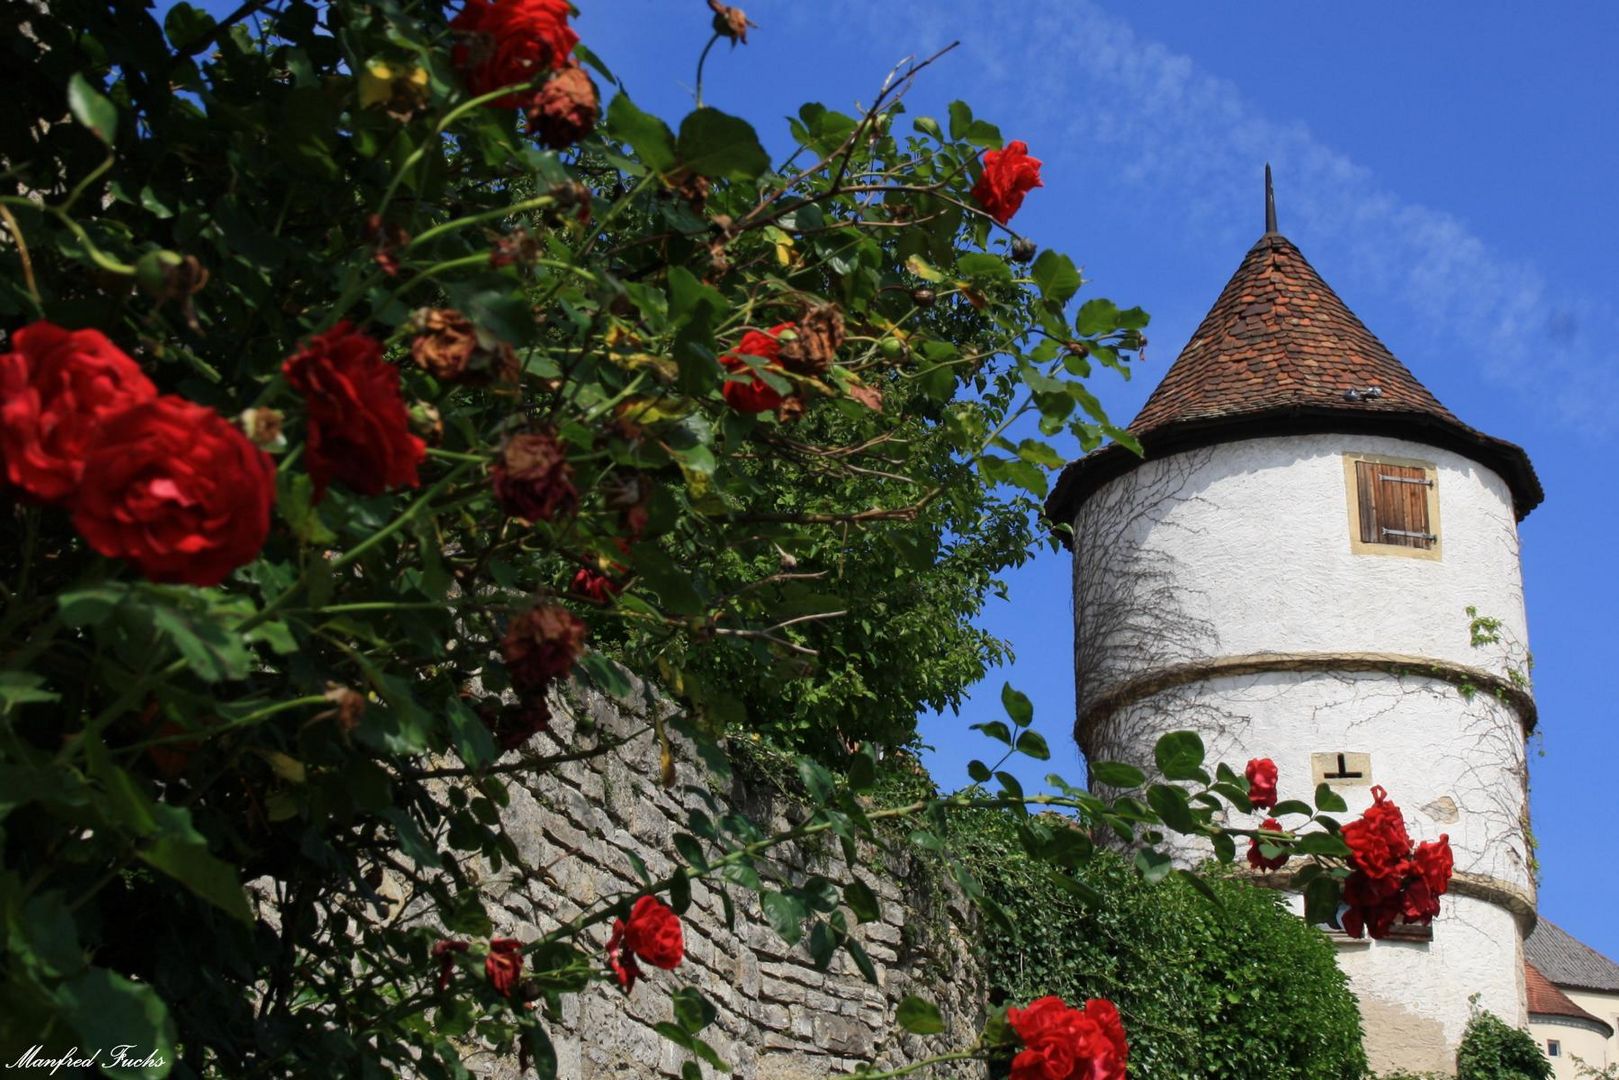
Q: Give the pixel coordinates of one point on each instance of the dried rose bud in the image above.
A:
(812, 347)
(541, 646)
(730, 22)
(533, 480)
(565, 109)
(348, 707)
(514, 725)
(1077, 348)
(694, 189)
(263, 429)
(426, 423)
(517, 248)
(1023, 249)
(385, 238)
(923, 297)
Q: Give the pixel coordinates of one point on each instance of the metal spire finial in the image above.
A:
(1270, 202)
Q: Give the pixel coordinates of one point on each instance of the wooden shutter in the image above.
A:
(1393, 504)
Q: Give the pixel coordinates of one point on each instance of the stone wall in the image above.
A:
(779, 1018)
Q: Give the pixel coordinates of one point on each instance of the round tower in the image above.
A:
(1316, 562)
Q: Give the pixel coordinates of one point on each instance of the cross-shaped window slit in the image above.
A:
(1343, 772)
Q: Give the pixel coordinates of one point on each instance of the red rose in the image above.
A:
(533, 480)
(653, 934)
(565, 109)
(505, 42)
(56, 387)
(1388, 881)
(1062, 1043)
(359, 427)
(444, 952)
(504, 964)
(1262, 783)
(173, 488)
(1256, 859)
(1008, 175)
(750, 393)
(595, 587)
(1435, 863)
(541, 646)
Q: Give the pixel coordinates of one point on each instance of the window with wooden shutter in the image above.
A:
(1394, 506)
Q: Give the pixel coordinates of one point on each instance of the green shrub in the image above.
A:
(1234, 991)
(1491, 1050)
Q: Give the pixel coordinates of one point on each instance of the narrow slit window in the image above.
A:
(1394, 507)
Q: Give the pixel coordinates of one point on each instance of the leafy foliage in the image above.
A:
(1493, 1050)
(1207, 989)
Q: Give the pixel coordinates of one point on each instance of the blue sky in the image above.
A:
(1448, 167)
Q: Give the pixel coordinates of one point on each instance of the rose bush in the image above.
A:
(797, 416)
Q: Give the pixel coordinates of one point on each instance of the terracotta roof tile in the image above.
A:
(1278, 336)
(1277, 355)
(1545, 999)
(1568, 961)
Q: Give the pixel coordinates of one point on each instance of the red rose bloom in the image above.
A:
(1262, 783)
(173, 488)
(541, 646)
(653, 934)
(1008, 175)
(359, 427)
(533, 480)
(444, 952)
(565, 109)
(1256, 859)
(750, 393)
(1062, 1043)
(56, 387)
(595, 587)
(514, 725)
(1388, 881)
(504, 42)
(504, 964)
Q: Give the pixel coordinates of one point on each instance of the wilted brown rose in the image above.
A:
(533, 480)
(731, 22)
(348, 705)
(694, 189)
(513, 725)
(516, 248)
(565, 109)
(263, 428)
(386, 238)
(812, 348)
(451, 348)
(541, 646)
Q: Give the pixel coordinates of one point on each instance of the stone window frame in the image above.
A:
(1352, 506)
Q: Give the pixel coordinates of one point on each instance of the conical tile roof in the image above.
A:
(1278, 354)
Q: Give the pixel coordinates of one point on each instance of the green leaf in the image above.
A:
(1017, 705)
(1056, 276)
(693, 1012)
(961, 119)
(1154, 865)
(984, 269)
(713, 143)
(1321, 900)
(22, 688)
(923, 269)
(918, 1016)
(862, 771)
(817, 781)
(213, 652)
(978, 771)
(1096, 317)
(862, 901)
(1321, 843)
(107, 1010)
(1171, 806)
(786, 915)
(1034, 745)
(1179, 755)
(186, 859)
(1116, 774)
(995, 729)
(1290, 806)
(648, 136)
(1329, 801)
(184, 24)
(89, 607)
(91, 109)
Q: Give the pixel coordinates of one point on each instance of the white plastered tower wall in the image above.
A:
(1218, 590)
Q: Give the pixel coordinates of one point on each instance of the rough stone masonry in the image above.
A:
(779, 1018)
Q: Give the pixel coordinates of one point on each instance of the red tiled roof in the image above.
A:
(1546, 1000)
(1279, 336)
(1278, 354)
